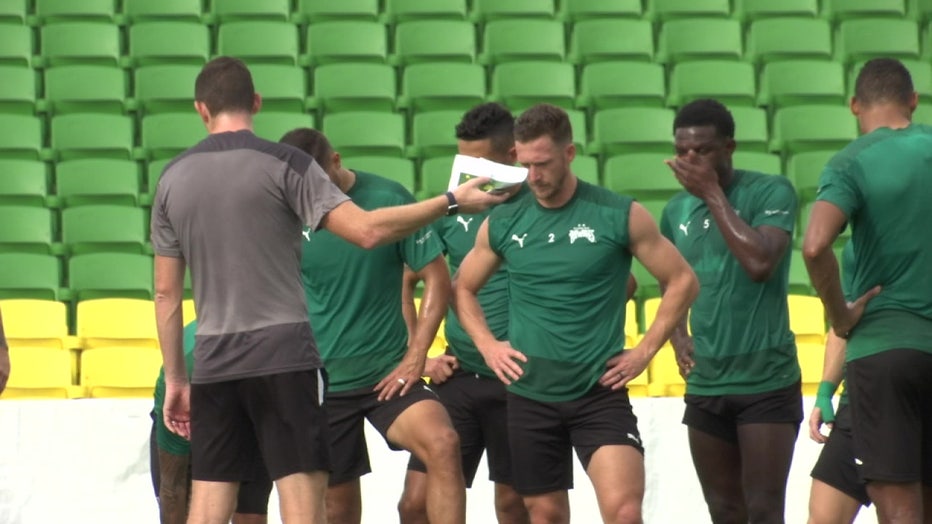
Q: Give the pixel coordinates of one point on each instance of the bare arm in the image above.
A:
(4, 358)
(169, 286)
(832, 372)
(631, 288)
(408, 286)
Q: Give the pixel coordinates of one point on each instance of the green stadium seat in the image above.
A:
(573, 11)
(353, 87)
(863, 39)
(397, 11)
(18, 89)
(283, 87)
(753, 161)
(171, 42)
(647, 284)
(23, 183)
(29, 276)
(430, 87)
(804, 213)
(927, 42)
(731, 83)
(27, 229)
(751, 129)
(435, 176)
(95, 43)
(165, 135)
(580, 125)
(811, 128)
(110, 275)
(95, 181)
(52, 11)
(153, 173)
(434, 41)
(20, 136)
(225, 11)
(364, 133)
(848, 9)
(799, 283)
(632, 129)
(923, 114)
(663, 10)
(343, 41)
(272, 125)
(315, 11)
(489, 10)
(921, 10)
(699, 39)
(14, 11)
(99, 228)
(16, 45)
(432, 134)
(508, 41)
(399, 170)
(611, 39)
(85, 89)
(805, 169)
(605, 85)
(259, 42)
(774, 39)
(165, 88)
(642, 176)
(136, 11)
(82, 135)
(751, 10)
(586, 168)
(799, 82)
(518, 85)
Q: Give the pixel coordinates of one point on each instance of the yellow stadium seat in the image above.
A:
(665, 379)
(40, 372)
(640, 386)
(811, 357)
(188, 313)
(807, 319)
(117, 371)
(117, 322)
(36, 323)
(439, 345)
(651, 305)
(631, 324)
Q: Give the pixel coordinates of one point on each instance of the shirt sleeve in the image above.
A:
(311, 194)
(421, 248)
(777, 205)
(838, 186)
(164, 239)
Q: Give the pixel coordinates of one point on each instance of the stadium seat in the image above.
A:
(259, 42)
(923, 115)
(23, 183)
(518, 84)
(362, 133)
(863, 39)
(118, 372)
(699, 39)
(37, 324)
(136, 11)
(751, 10)
(93, 181)
(921, 10)
(283, 87)
(580, 125)
(122, 322)
(85, 89)
(353, 87)
(647, 284)
(344, 41)
(572, 11)
(188, 311)
(643, 176)
(165, 135)
(434, 41)
(430, 87)
(632, 130)
(397, 11)
(52, 11)
(805, 211)
(611, 39)
(812, 128)
(799, 82)
(775, 39)
(586, 168)
(507, 41)
(399, 170)
(315, 11)
(14, 11)
(94, 43)
(606, 85)
(432, 134)
(847, 9)
(490, 10)
(27, 229)
(21, 137)
(225, 11)
(919, 70)
(154, 170)
(665, 378)
(805, 169)
(83, 135)
(761, 162)
(110, 228)
(169, 42)
(110, 275)
(435, 176)
(811, 357)
(663, 10)
(799, 283)
(16, 44)
(18, 89)
(166, 88)
(807, 318)
(273, 125)
(751, 129)
(731, 83)
(40, 373)
(29, 276)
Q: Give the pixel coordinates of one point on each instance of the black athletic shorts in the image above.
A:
(348, 410)
(542, 436)
(721, 415)
(476, 405)
(891, 415)
(835, 465)
(276, 419)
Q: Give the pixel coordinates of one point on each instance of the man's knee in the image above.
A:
(509, 506)
(545, 510)
(628, 512)
(724, 510)
(442, 445)
(766, 506)
(412, 507)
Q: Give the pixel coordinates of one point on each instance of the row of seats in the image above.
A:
(449, 40)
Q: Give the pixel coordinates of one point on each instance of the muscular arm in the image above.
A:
(169, 286)
(408, 311)
(758, 250)
(825, 222)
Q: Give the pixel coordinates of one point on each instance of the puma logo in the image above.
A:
(307, 234)
(519, 240)
(465, 222)
(685, 228)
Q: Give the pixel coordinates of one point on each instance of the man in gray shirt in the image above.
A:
(232, 208)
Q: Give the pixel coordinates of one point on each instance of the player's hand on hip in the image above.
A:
(471, 198)
(401, 379)
(176, 410)
(503, 360)
(854, 312)
(440, 368)
(624, 368)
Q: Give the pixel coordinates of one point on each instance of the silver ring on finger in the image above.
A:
(402, 381)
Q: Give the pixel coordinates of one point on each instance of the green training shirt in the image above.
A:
(740, 328)
(567, 275)
(168, 441)
(882, 182)
(354, 294)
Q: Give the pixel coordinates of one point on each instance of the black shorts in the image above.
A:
(476, 405)
(542, 436)
(348, 410)
(835, 465)
(721, 415)
(276, 419)
(891, 415)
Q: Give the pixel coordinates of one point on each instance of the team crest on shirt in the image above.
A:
(582, 231)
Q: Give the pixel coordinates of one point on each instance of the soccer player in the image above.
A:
(233, 207)
(566, 246)
(880, 185)
(743, 394)
(374, 369)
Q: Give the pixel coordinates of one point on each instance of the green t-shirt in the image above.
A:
(354, 294)
(168, 441)
(882, 182)
(740, 328)
(847, 271)
(458, 235)
(567, 274)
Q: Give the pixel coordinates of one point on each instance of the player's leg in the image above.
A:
(344, 502)
(252, 501)
(829, 505)
(174, 481)
(412, 508)
(509, 506)
(837, 493)
(766, 455)
(713, 444)
(491, 423)
(617, 473)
